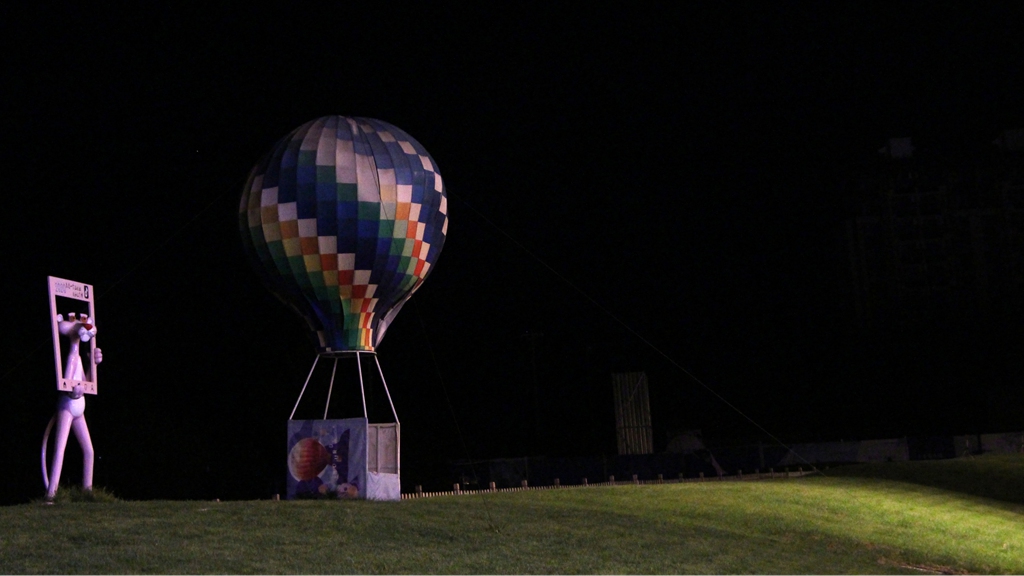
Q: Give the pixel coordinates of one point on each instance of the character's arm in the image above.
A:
(97, 357)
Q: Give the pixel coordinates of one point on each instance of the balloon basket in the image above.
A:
(343, 458)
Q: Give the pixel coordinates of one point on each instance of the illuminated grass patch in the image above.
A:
(814, 525)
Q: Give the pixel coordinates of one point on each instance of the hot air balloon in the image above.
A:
(344, 219)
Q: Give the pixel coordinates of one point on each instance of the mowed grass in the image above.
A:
(848, 522)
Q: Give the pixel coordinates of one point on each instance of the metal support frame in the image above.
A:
(386, 391)
(362, 389)
(331, 388)
(362, 385)
(315, 360)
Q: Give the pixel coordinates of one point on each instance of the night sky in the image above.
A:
(673, 173)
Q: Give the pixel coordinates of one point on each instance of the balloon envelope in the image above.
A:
(345, 218)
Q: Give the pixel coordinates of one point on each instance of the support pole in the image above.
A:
(304, 387)
(330, 388)
(386, 391)
(362, 389)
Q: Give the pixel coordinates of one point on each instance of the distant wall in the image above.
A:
(899, 449)
(890, 450)
(1004, 443)
(511, 472)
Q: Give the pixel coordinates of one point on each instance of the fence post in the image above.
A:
(584, 480)
(493, 487)
(661, 479)
(611, 480)
(419, 490)
(457, 489)
(701, 476)
(635, 479)
(557, 482)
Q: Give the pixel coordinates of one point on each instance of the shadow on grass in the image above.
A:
(995, 476)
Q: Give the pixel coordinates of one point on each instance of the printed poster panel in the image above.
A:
(72, 307)
(326, 458)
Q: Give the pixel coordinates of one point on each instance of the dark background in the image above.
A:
(684, 168)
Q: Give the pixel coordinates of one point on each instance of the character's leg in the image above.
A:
(82, 434)
(63, 427)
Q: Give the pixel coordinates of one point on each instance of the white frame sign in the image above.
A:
(75, 291)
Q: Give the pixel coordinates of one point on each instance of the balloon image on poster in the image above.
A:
(326, 458)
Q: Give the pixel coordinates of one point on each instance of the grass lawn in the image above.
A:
(891, 518)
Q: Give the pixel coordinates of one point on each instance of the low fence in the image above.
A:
(903, 449)
(702, 465)
(771, 474)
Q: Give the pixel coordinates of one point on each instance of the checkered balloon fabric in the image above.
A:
(344, 219)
